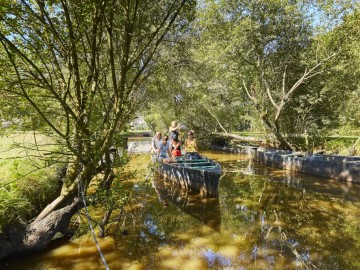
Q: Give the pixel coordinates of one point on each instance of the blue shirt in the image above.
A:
(164, 149)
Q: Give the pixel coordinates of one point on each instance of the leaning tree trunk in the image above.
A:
(283, 141)
(21, 240)
(275, 129)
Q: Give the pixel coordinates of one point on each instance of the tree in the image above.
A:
(346, 36)
(251, 60)
(345, 77)
(208, 101)
(81, 66)
(268, 46)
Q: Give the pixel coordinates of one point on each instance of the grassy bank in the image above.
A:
(334, 144)
(27, 184)
(139, 133)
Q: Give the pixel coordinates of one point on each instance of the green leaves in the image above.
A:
(291, 69)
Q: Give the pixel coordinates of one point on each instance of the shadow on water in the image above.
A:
(206, 210)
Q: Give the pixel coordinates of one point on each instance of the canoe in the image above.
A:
(345, 168)
(195, 175)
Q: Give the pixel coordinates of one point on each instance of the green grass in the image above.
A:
(339, 144)
(26, 184)
(138, 133)
(250, 134)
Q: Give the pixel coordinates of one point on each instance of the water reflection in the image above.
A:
(206, 210)
(264, 218)
(301, 228)
(214, 258)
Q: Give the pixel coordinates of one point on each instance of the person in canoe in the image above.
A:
(176, 148)
(174, 131)
(163, 152)
(191, 148)
(156, 140)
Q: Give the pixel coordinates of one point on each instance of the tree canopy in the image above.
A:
(76, 71)
(275, 65)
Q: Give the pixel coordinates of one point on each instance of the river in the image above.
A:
(263, 218)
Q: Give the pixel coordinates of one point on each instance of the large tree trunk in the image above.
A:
(275, 129)
(284, 143)
(20, 240)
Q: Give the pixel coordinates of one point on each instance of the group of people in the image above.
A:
(170, 146)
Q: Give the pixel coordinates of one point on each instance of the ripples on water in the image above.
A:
(264, 218)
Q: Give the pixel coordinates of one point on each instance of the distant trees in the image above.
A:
(346, 36)
(272, 64)
(272, 48)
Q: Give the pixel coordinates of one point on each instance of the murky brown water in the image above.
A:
(263, 219)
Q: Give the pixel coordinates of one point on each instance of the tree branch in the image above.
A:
(217, 120)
